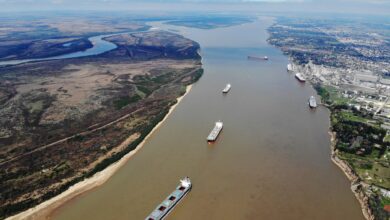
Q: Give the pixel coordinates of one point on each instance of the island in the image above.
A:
(64, 120)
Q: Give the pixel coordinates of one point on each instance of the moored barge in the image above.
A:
(300, 77)
(312, 102)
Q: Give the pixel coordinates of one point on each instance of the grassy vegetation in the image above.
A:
(362, 143)
(330, 95)
(372, 169)
(144, 90)
(126, 100)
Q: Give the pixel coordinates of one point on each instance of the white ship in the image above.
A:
(300, 77)
(171, 201)
(289, 67)
(312, 102)
(227, 88)
(215, 132)
(257, 58)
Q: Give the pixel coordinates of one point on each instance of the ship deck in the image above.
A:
(169, 203)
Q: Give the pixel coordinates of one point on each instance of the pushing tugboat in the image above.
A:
(172, 200)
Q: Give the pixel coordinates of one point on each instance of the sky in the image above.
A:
(338, 6)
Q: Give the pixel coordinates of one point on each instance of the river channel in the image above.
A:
(99, 46)
(271, 161)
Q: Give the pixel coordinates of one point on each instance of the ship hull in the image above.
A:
(176, 203)
(166, 207)
(312, 102)
(300, 78)
(215, 132)
(257, 58)
(214, 139)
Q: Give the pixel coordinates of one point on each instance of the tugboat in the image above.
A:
(227, 88)
(215, 132)
(312, 102)
(171, 201)
(300, 77)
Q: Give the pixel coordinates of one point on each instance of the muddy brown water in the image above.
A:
(272, 160)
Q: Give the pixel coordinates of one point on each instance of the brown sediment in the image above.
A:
(45, 209)
(357, 186)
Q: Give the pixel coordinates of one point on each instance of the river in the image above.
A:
(271, 161)
(99, 46)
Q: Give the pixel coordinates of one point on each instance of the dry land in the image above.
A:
(62, 121)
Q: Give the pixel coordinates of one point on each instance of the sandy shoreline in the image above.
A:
(356, 184)
(45, 209)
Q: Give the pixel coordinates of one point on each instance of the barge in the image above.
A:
(300, 77)
(171, 201)
(215, 132)
(227, 88)
(312, 102)
(257, 58)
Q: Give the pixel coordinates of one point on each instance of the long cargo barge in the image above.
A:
(215, 132)
(171, 201)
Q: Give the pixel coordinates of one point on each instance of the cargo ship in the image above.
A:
(300, 77)
(171, 201)
(227, 88)
(289, 67)
(312, 102)
(215, 132)
(257, 58)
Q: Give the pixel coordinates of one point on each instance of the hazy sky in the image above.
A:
(339, 6)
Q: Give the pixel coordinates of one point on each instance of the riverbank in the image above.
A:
(45, 209)
(356, 184)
